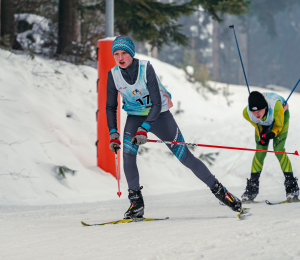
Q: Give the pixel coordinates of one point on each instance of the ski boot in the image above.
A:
(291, 187)
(226, 197)
(251, 191)
(136, 209)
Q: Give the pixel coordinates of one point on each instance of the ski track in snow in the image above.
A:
(48, 119)
(198, 228)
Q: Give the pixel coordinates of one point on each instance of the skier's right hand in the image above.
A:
(265, 138)
(114, 142)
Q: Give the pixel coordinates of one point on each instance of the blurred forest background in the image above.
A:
(190, 34)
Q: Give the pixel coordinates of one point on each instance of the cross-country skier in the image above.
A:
(147, 104)
(266, 112)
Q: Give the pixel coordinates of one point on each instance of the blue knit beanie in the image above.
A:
(123, 43)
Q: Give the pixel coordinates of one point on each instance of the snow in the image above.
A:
(198, 228)
(190, 70)
(40, 28)
(47, 119)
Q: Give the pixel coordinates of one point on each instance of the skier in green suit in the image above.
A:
(265, 111)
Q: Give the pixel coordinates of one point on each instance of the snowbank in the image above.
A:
(48, 120)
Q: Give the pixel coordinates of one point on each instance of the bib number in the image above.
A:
(147, 100)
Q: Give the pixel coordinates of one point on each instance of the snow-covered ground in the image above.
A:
(47, 119)
(198, 228)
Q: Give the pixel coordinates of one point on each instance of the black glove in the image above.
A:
(264, 130)
(265, 138)
(140, 137)
(115, 143)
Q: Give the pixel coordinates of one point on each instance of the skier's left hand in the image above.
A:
(140, 137)
(266, 138)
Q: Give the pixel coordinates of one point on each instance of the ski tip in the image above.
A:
(242, 213)
(119, 194)
(296, 153)
(83, 223)
(231, 26)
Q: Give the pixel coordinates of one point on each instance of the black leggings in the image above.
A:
(165, 128)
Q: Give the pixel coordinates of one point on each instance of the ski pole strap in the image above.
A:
(141, 133)
(217, 146)
(115, 141)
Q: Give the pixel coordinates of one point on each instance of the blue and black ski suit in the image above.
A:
(147, 104)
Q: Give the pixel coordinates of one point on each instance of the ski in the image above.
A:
(281, 202)
(124, 221)
(243, 213)
(252, 202)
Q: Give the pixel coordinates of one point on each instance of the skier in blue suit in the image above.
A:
(147, 103)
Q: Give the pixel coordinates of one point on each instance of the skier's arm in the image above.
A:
(246, 116)
(111, 104)
(155, 98)
(278, 117)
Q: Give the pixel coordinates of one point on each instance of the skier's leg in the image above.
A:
(166, 129)
(136, 208)
(279, 145)
(259, 157)
(252, 187)
(130, 152)
(290, 183)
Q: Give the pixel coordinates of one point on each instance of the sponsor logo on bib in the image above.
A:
(135, 92)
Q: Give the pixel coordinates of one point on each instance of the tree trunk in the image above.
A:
(0, 19)
(65, 26)
(7, 22)
(77, 25)
(216, 54)
(155, 52)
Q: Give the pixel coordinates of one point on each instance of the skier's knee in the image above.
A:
(129, 148)
(180, 152)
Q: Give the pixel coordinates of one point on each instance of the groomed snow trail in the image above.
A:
(198, 228)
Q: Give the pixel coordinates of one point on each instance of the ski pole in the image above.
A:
(216, 146)
(117, 171)
(237, 44)
(291, 93)
(232, 27)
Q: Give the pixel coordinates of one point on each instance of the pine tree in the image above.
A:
(216, 7)
(156, 22)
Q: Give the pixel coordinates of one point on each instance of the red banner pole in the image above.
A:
(216, 146)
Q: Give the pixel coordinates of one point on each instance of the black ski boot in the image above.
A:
(251, 191)
(136, 209)
(226, 197)
(291, 187)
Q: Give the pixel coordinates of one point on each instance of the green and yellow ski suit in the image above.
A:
(280, 129)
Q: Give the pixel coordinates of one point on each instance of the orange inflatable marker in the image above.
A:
(105, 157)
